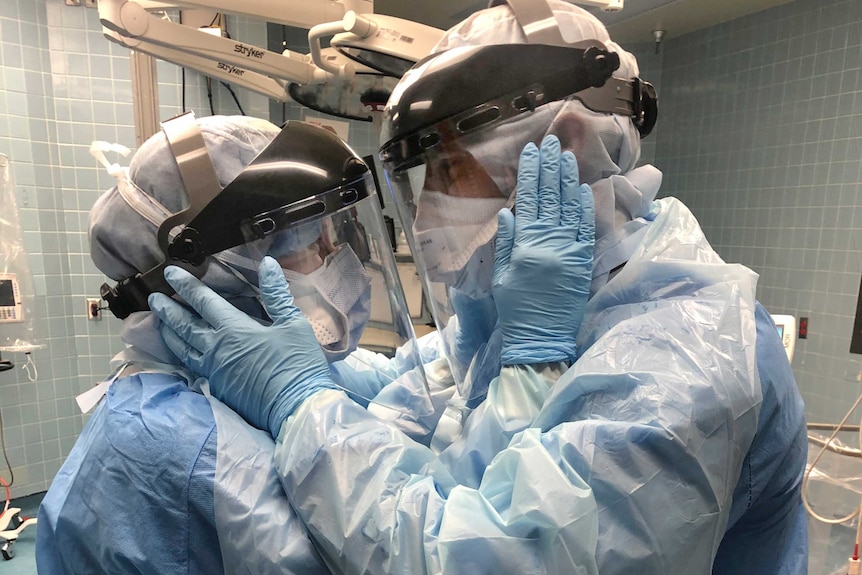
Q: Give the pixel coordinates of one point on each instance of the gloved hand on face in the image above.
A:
(262, 372)
(544, 256)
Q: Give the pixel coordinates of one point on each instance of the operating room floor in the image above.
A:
(24, 561)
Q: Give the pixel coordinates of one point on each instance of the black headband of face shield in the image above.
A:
(469, 89)
(305, 173)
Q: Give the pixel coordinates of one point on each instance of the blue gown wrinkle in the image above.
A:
(121, 501)
(163, 480)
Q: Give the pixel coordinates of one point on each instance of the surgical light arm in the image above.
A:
(213, 68)
(300, 13)
(129, 19)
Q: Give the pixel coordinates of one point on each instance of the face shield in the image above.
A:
(449, 130)
(310, 203)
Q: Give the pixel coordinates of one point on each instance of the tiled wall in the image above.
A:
(63, 85)
(760, 133)
(39, 418)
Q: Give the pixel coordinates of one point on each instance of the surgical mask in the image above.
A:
(336, 300)
(455, 239)
(475, 278)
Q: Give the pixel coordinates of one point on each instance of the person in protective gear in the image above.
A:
(675, 441)
(292, 383)
(165, 478)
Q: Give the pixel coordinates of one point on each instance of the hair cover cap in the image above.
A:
(498, 25)
(124, 221)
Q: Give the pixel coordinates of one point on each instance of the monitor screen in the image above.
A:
(7, 294)
(780, 331)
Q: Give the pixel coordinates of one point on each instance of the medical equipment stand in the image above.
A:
(11, 523)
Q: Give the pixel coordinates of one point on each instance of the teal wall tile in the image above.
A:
(759, 133)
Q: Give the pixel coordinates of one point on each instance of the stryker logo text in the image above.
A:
(231, 69)
(248, 51)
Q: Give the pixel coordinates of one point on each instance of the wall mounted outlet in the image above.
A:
(94, 308)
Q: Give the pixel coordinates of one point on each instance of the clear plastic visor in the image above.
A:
(448, 201)
(343, 277)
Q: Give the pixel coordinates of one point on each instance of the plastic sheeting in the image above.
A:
(583, 485)
(834, 490)
(17, 294)
(835, 483)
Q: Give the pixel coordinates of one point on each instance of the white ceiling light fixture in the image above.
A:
(362, 97)
(299, 13)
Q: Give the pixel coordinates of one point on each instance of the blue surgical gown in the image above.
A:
(165, 480)
(674, 445)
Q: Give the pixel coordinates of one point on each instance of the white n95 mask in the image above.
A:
(336, 300)
(454, 238)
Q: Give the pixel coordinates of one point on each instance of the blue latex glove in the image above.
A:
(262, 372)
(476, 319)
(544, 258)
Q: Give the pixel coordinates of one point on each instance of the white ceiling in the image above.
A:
(635, 23)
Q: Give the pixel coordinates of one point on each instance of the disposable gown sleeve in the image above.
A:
(364, 374)
(377, 502)
(620, 472)
(384, 386)
(514, 400)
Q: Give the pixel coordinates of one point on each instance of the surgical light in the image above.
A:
(385, 43)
